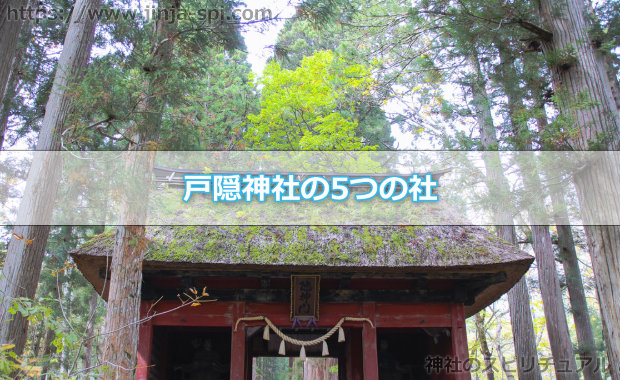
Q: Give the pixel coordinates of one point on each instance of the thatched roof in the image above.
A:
(388, 249)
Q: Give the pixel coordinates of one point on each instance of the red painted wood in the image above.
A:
(327, 311)
(413, 315)
(237, 346)
(217, 314)
(353, 354)
(369, 343)
(145, 344)
(387, 314)
(459, 341)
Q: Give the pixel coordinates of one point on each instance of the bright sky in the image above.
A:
(260, 38)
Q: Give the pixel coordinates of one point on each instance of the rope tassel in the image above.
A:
(325, 349)
(282, 350)
(266, 333)
(340, 335)
(302, 353)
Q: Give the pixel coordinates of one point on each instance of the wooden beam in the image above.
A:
(237, 346)
(221, 314)
(413, 315)
(387, 314)
(327, 296)
(369, 342)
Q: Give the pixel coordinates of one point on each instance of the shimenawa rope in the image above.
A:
(303, 343)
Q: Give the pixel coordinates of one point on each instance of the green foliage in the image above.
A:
(302, 38)
(25, 107)
(58, 316)
(310, 108)
(565, 128)
(562, 58)
(30, 365)
(215, 107)
(184, 89)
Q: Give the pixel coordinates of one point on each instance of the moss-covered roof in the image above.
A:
(393, 246)
(436, 251)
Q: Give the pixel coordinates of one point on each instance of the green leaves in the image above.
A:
(309, 108)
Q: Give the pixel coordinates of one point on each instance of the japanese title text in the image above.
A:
(289, 188)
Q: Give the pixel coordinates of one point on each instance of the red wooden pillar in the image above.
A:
(145, 345)
(237, 347)
(369, 341)
(459, 341)
(354, 356)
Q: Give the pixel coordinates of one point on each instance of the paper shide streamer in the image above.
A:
(269, 326)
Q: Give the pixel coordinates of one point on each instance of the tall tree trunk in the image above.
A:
(519, 296)
(9, 37)
(23, 260)
(604, 247)
(557, 326)
(484, 346)
(599, 128)
(555, 317)
(90, 329)
(123, 309)
(523, 334)
(12, 84)
(579, 306)
(47, 350)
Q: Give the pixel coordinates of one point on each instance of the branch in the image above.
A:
(545, 35)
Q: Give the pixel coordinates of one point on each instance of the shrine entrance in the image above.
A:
(344, 359)
(204, 353)
(222, 340)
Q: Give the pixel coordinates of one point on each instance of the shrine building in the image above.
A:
(381, 301)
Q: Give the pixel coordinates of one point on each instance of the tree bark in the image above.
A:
(599, 128)
(123, 309)
(9, 37)
(523, 335)
(604, 247)
(23, 260)
(553, 306)
(557, 326)
(555, 317)
(518, 297)
(484, 346)
(12, 85)
(579, 306)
